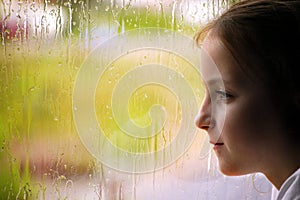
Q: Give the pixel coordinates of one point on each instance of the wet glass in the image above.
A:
(44, 151)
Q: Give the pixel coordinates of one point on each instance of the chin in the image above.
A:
(231, 173)
(232, 170)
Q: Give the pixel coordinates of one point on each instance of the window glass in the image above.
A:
(88, 88)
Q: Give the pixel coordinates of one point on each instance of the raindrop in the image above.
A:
(31, 89)
(32, 7)
(69, 184)
(111, 67)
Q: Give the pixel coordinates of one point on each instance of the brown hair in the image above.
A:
(263, 36)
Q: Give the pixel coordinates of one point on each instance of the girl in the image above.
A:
(255, 46)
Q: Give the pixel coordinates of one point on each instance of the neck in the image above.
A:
(278, 179)
(281, 168)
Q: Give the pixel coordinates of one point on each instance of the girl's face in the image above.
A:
(236, 112)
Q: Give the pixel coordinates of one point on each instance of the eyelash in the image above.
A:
(223, 95)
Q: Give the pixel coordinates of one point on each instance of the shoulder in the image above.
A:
(290, 189)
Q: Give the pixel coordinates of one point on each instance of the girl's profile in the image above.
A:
(255, 46)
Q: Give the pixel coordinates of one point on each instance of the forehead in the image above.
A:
(217, 63)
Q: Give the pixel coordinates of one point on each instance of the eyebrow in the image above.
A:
(215, 81)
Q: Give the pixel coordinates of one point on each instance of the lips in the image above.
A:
(216, 143)
(217, 146)
(219, 143)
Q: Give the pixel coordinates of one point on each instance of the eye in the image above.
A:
(223, 95)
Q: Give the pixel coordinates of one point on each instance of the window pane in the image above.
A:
(124, 65)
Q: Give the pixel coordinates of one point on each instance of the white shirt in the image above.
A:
(290, 190)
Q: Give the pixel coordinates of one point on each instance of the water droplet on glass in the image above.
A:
(111, 67)
(31, 89)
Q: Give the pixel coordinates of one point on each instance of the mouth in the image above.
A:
(219, 144)
(216, 143)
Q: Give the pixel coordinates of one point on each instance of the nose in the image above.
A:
(203, 118)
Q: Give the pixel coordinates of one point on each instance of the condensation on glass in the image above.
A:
(43, 46)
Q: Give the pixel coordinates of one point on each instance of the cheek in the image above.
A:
(245, 122)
